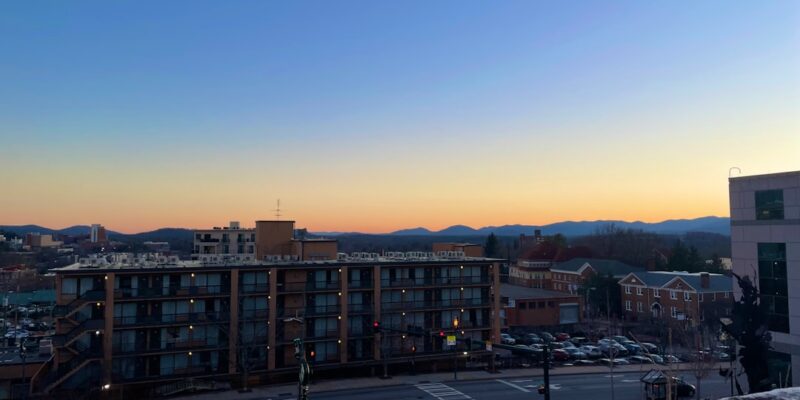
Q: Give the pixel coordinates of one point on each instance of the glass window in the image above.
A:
(627, 290)
(773, 284)
(769, 204)
(673, 295)
(687, 296)
(656, 293)
(639, 291)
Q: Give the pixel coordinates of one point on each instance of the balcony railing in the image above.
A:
(359, 284)
(255, 287)
(171, 291)
(310, 311)
(416, 305)
(164, 319)
(125, 348)
(359, 308)
(307, 286)
(451, 281)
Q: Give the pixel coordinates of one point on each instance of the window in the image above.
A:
(714, 296)
(639, 291)
(627, 290)
(700, 297)
(523, 306)
(773, 284)
(656, 293)
(673, 295)
(726, 295)
(639, 306)
(627, 305)
(687, 296)
(674, 311)
(769, 204)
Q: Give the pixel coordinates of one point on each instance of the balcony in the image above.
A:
(359, 308)
(172, 345)
(452, 281)
(62, 311)
(172, 291)
(308, 286)
(172, 319)
(89, 325)
(255, 288)
(360, 285)
(434, 304)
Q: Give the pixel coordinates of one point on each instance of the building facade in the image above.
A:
(570, 276)
(677, 299)
(231, 242)
(531, 273)
(765, 244)
(153, 324)
(531, 307)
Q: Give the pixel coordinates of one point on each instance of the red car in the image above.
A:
(561, 336)
(560, 355)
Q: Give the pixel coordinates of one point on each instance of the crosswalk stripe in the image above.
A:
(442, 391)
(513, 385)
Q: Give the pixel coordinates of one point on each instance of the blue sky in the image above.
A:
(165, 97)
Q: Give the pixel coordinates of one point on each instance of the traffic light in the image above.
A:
(441, 334)
(376, 327)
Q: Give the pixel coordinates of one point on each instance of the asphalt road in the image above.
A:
(587, 386)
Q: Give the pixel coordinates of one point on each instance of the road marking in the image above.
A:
(522, 380)
(441, 391)
(513, 385)
(630, 380)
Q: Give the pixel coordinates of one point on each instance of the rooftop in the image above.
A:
(717, 282)
(603, 267)
(770, 175)
(524, 292)
(130, 261)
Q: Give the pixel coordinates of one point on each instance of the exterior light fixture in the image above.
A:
(191, 327)
(462, 289)
(192, 274)
(403, 290)
(106, 386)
(97, 333)
(192, 300)
(462, 267)
(340, 341)
(98, 304)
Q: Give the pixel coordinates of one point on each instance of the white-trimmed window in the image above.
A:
(699, 297)
(714, 296)
(726, 295)
(639, 306)
(639, 291)
(627, 305)
(673, 295)
(656, 293)
(674, 311)
(627, 290)
(687, 296)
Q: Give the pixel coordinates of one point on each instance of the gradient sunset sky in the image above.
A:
(379, 115)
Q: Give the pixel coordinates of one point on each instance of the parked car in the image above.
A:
(547, 337)
(556, 345)
(640, 360)
(562, 336)
(721, 356)
(632, 348)
(618, 350)
(591, 351)
(507, 339)
(657, 359)
(584, 362)
(579, 340)
(568, 344)
(651, 348)
(576, 354)
(617, 361)
(620, 339)
(533, 338)
(684, 389)
(559, 355)
(17, 334)
(670, 359)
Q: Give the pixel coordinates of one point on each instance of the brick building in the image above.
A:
(533, 307)
(569, 276)
(675, 298)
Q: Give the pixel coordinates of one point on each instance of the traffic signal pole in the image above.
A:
(546, 367)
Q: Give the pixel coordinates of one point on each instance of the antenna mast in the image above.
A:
(278, 211)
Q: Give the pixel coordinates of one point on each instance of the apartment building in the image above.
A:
(765, 245)
(230, 242)
(678, 299)
(151, 324)
(531, 273)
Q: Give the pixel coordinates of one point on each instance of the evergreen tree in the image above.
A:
(491, 246)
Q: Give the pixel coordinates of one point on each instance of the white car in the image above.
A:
(591, 351)
(507, 339)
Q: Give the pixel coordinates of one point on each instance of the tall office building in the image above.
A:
(765, 236)
(97, 234)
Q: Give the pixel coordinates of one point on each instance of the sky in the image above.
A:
(376, 116)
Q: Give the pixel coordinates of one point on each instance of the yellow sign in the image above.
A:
(451, 340)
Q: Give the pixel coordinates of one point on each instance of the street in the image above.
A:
(589, 386)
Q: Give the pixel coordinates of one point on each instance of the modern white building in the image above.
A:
(765, 236)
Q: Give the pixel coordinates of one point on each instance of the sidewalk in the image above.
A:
(289, 391)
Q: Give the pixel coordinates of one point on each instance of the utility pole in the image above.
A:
(546, 354)
(612, 351)
(455, 350)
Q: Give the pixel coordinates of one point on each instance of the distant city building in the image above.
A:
(532, 307)
(37, 241)
(98, 234)
(679, 299)
(531, 273)
(232, 242)
(157, 247)
(146, 323)
(469, 249)
(765, 245)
